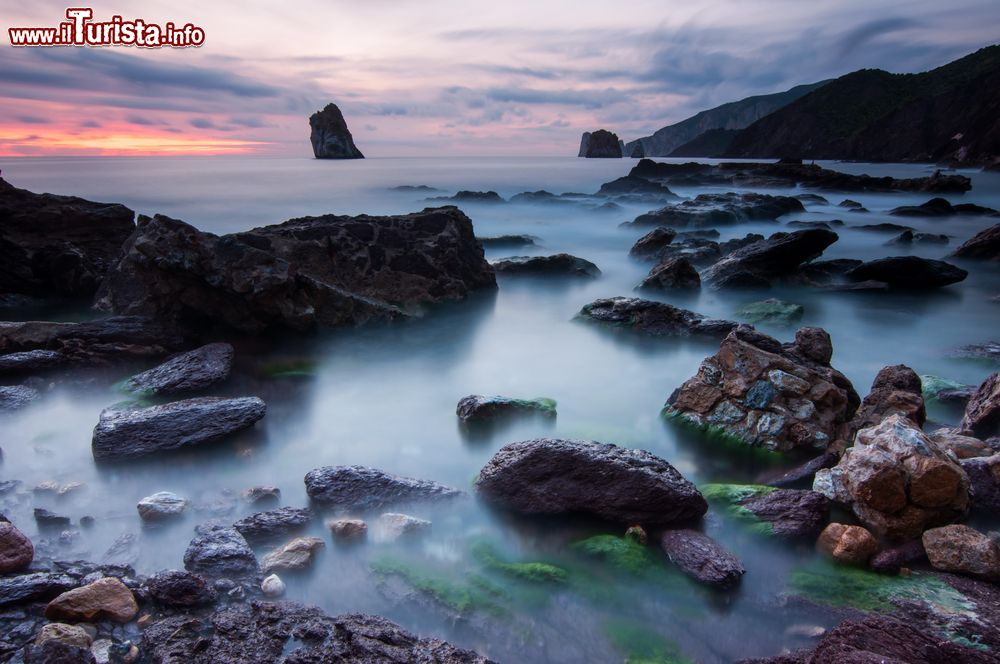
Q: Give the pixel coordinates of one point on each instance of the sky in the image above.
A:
(445, 77)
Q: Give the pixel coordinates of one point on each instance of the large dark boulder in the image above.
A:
(552, 476)
(702, 558)
(58, 246)
(940, 207)
(653, 318)
(188, 372)
(984, 245)
(358, 487)
(908, 272)
(330, 137)
(721, 210)
(765, 261)
(556, 265)
(601, 143)
(133, 433)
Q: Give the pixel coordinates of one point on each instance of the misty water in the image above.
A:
(385, 396)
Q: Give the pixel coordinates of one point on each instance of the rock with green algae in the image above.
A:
(535, 572)
(945, 390)
(476, 408)
(771, 311)
(641, 645)
(456, 592)
(731, 497)
(772, 511)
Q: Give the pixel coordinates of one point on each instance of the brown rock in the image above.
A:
(984, 478)
(297, 554)
(935, 483)
(896, 389)
(962, 445)
(16, 551)
(848, 544)
(73, 635)
(982, 414)
(961, 549)
(672, 274)
(104, 599)
(347, 529)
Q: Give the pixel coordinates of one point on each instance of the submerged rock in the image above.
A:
(330, 137)
(15, 397)
(477, 408)
(672, 274)
(961, 549)
(16, 550)
(161, 506)
(908, 237)
(105, 599)
(552, 476)
(721, 210)
(358, 487)
(393, 526)
(852, 545)
(897, 481)
(219, 551)
(503, 241)
(347, 530)
(188, 372)
(768, 394)
(295, 555)
(98, 341)
(984, 245)
(180, 589)
(274, 523)
(940, 207)
(702, 558)
(129, 434)
(908, 272)
(466, 196)
(982, 414)
(653, 318)
(636, 187)
(773, 311)
(555, 265)
(760, 264)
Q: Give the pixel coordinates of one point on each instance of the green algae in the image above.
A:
(729, 497)
(623, 554)
(469, 593)
(931, 386)
(773, 311)
(641, 645)
(279, 369)
(720, 437)
(532, 572)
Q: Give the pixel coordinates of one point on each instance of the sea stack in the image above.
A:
(330, 137)
(601, 143)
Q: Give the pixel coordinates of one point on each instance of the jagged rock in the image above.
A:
(702, 251)
(555, 265)
(31, 361)
(57, 245)
(892, 559)
(602, 144)
(393, 526)
(791, 512)
(982, 414)
(908, 272)
(721, 210)
(672, 274)
(897, 481)
(54, 651)
(14, 397)
(984, 479)
(275, 523)
(958, 443)
(73, 635)
(295, 555)
(358, 487)
(940, 207)
(551, 476)
(801, 473)
(219, 551)
(99, 341)
(702, 558)
(650, 244)
(260, 633)
(180, 589)
(105, 599)
(477, 408)
(34, 587)
(653, 318)
(16, 550)
(188, 372)
(761, 263)
(773, 311)
(961, 549)
(852, 545)
(984, 245)
(896, 389)
(162, 506)
(330, 137)
(768, 394)
(129, 434)
(299, 275)
(347, 529)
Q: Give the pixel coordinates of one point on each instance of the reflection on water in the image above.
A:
(385, 396)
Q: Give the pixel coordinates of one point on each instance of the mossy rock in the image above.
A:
(931, 386)
(730, 497)
(773, 311)
(641, 645)
(622, 553)
(721, 438)
(461, 594)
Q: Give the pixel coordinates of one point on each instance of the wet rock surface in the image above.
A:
(219, 551)
(476, 408)
(702, 558)
(708, 210)
(188, 372)
(672, 274)
(272, 524)
(15, 397)
(16, 550)
(297, 554)
(984, 480)
(895, 390)
(650, 244)
(100, 341)
(105, 599)
(791, 512)
(31, 361)
(552, 476)
(180, 589)
(362, 488)
(555, 265)
(161, 506)
(129, 434)
(764, 262)
(653, 318)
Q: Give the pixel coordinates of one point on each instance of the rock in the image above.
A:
(763, 262)
(272, 586)
(48, 519)
(908, 237)
(852, 545)
(16, 550)
(551, 476)
(31, 361)
(984, 479)
(361, 488)
(261, 494)
(505, 241)
(219, 551)
(801, 473)
(100, 341)
(188, 372)
(638, 188)
(985, 351)
(584, 142)
(130, 434)
(946, 391)
(958, 548)
(908, 273)
(812, 198)
(702, 251)
(707, 210)
(104, 599)
(962, 446)
(34, 587)
(897, 481)
(258, 633)
(179, 589)
(896, 389)
(653, 318)
(300, 275)
(555, 265)
(477, 408)
(59, 246)
(161, 506)
(393, 526)
(940, 207)
(466, 196)
(650, 244)
(773, 311)
(895, 558)
(790, 512)
(347, 529)
(54, 651)
(984, 245)
(702, 558)
(601, 143)
(14, 397)
(72, 635)
(330, 137)
(272, 524)
(672, 274)
(541, 197)
(982, 414)
(883, 228)
(295, 555)
(849, 204)
(767, 394)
